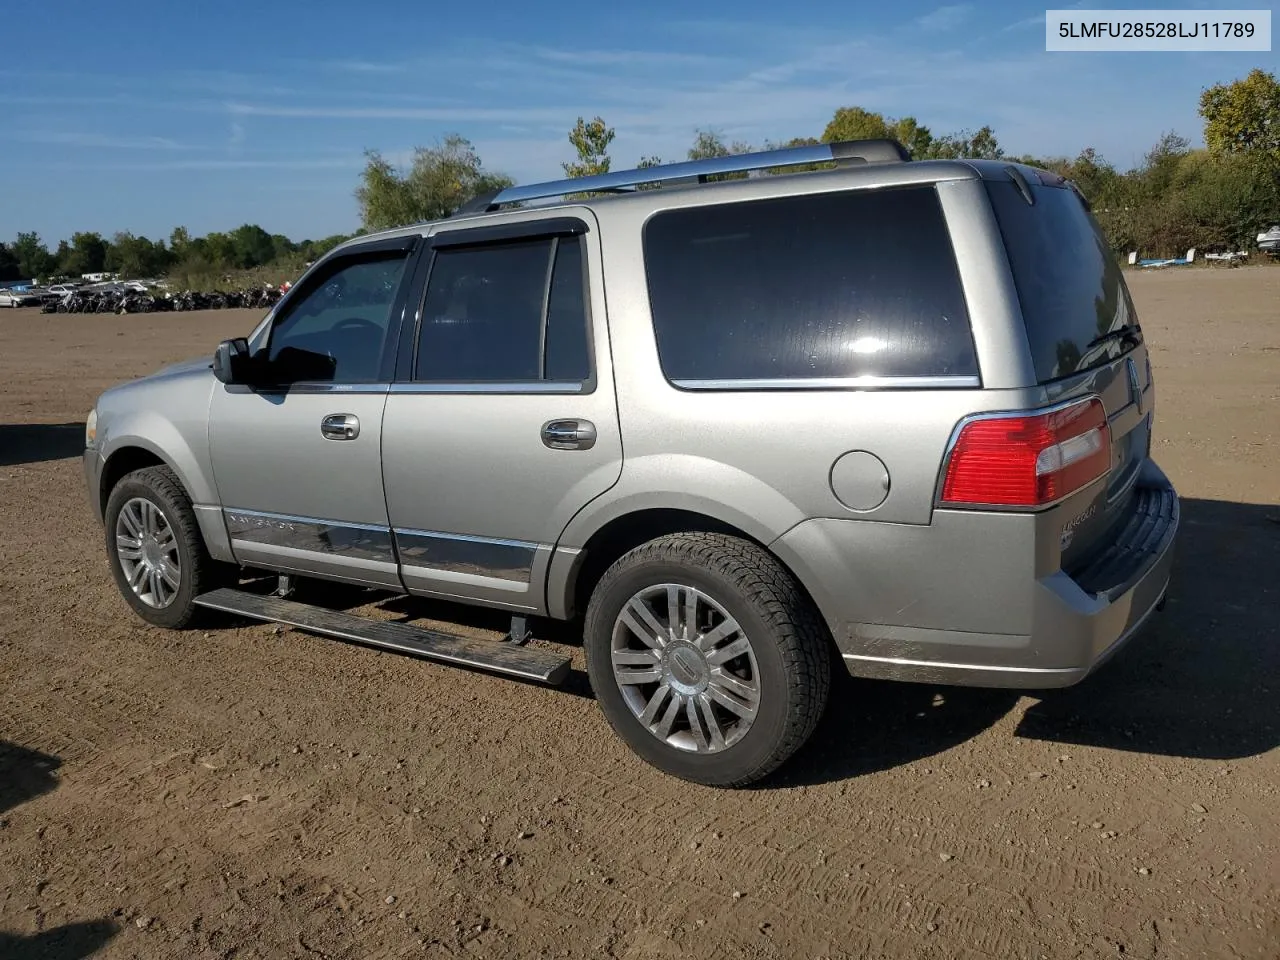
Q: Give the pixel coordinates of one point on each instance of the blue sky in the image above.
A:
(215, 114)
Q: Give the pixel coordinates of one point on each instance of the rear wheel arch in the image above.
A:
(624, 533)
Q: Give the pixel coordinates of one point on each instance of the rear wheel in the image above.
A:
(157, 555)
(707, 658)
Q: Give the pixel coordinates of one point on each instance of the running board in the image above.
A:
(527, 663)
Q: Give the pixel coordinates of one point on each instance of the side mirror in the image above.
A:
(231, 361)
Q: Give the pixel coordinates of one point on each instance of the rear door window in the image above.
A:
(815, 288)
(1070, 287)
(506, 312)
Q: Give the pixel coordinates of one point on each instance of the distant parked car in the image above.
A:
(1269, 241)
(19, 298)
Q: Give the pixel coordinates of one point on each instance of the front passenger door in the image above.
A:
(296, 456)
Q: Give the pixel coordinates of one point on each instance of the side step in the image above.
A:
(528, 663)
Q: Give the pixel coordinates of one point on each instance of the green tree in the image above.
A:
(439, 180)
(218, 249)
(385, 197)
(911, 134)
(282, 247)
(252, 246)
(966, 145)
(62, 257)
(136, 257)
(314, 249)
(180, 243)
(709, 145)
(1096, 178)
(87, 254)
(34, 259)
(590, 140)
(9, 267)
(1161, 163)
(855, 123)
(1244, 116)
(797, 168)
(647, 163)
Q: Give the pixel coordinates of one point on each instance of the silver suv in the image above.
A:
(747, 424)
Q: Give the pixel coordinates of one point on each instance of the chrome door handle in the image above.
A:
(569, 434)
(340, 426)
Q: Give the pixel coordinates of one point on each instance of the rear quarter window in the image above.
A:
(819, 287)
(1070, 287)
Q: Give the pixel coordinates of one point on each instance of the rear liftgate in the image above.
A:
(508, 657)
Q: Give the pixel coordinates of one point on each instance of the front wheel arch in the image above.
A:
(123, 462)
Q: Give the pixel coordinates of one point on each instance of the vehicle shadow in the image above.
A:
(1200, 681)
(24, 775)
(870, 726)
(1203, 680)
(70, 942)
(37, 442)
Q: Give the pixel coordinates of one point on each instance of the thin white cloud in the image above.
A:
(1037, 20)
(72, 138)
(627, 58)
(349, 163)
(945, 18)
(367, 66)
(442, 114)
(753, 98)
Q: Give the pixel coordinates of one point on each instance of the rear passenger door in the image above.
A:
(502, 422)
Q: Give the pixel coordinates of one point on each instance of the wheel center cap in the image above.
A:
(151, 552)
(687, 667)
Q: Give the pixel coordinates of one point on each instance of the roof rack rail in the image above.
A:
(843, 152)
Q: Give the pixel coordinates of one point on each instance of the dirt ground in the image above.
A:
(257, 792)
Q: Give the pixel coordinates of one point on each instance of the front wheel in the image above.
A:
(707, 658)
(155, 550)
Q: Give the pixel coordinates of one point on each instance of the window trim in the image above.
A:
(319, 273)
(964, 381)
(504, 232)
(545, 228)
(954, 381)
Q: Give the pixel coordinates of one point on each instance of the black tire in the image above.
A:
(790, 642)
(199, 572)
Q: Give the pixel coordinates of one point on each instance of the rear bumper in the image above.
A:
(960, 602)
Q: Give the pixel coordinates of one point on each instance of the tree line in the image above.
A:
(196, 261)
(1177, 197)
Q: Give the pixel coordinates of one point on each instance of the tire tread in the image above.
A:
(203, 573)
(764, 583)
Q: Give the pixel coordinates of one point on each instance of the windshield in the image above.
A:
(1073, 295)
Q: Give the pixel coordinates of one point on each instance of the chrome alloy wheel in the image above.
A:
(685, 668)
(148, 552)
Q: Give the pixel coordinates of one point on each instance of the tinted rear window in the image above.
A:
(835, 285)
(1069, 285)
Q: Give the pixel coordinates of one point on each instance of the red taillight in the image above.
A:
(1028, 460)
